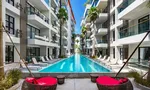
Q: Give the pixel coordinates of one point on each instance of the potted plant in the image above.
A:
(11, 79)
(139, 81)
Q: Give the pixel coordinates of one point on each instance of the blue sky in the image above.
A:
(78, 9)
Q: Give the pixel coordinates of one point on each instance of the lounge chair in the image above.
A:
(100, 57)
(38, 63)
(105, 61)
(44, 61)
(31, 67)
(104, 58)
(53, 59)
(112, 62)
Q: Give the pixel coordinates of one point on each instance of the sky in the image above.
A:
(78, 9)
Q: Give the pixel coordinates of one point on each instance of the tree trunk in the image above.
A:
(1, 43)
(94, 40)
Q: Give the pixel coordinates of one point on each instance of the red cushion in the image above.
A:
(106, 80)
(47, 81)
(31, 80)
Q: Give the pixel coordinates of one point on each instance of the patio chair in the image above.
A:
(54, 59)
(42, 83)
(39, 63)
(44, 61)
(104, 58)
(31, 67)
(100, 57)
(110, 83)
(112, 62)
(105, 61)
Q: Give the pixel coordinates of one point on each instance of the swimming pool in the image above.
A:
(75, 64)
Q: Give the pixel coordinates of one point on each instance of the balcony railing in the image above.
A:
(39, 14)
(101, 41)
(43, 38)
(124, 5)
(15, 4)
(141, 28)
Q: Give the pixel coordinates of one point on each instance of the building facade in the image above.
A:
(42, 34)
(101, 23)
(128, 22)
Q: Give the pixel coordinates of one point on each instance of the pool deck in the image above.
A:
(80, 84)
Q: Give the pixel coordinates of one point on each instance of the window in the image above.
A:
(113, 35)
(144, 53)
(9, 56)
(113, 2)
(31, 9)
(10, 24)
(113, 52)
(113, 18)
(10, 2)
(143, 24)
(33, 51)
(32, 31)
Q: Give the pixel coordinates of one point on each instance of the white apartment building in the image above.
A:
(42, 29)
(129, 22)
(101, 28)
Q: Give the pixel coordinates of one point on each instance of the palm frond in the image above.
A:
(93, 13)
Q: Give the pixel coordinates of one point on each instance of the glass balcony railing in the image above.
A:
(138, 29)
(124, 5)
(95, 3)
(101, 41)
(39, 14)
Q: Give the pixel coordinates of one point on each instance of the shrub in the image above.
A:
(10, 79)
(139, 79)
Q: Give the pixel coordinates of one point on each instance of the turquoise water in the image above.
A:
(75, 64)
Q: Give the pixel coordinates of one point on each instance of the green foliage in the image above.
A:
(62, 15)
(148, 4)
(93, 14)
(84, 29)
(10, 79)
(139, 79)
(94, 57)
(62, 56)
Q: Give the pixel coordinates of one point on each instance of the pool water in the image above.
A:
(75, 64)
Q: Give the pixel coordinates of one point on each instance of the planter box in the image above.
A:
(17, 86)
(142, 87)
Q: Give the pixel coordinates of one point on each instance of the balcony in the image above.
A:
(101, 44)
(13, 8)
(133, 35)
(15, 37)
(87, 25)
(38, 19)
(54, 11)
(38, 40)
(40, 4)
(101, 4)
(102, 31)
(102, 17)
(129, 9)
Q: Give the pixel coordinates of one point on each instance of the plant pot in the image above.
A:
(140, 86)
(17, 86)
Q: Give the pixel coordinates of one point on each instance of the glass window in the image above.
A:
(10, 24)
(143, 24)
(9, 56)
(113, 52)
(10, 2)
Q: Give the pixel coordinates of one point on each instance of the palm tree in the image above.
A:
(84, 33)
(63, 17)
(1, 44)
(93, 15)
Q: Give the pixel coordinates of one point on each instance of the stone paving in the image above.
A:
(79, 84)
